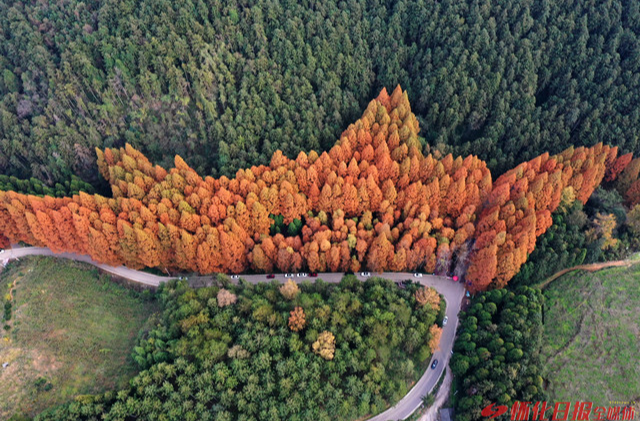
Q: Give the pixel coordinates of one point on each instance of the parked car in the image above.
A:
(288, 275)
(434, 364)
(313, 274)
(301, 275)
(271, 276)
(445, 320)
(417, 275)
(365, 274)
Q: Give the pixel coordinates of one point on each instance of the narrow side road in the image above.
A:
(591, 267)
(453, 293)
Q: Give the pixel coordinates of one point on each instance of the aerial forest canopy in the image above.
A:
(226, 84)
(267, 352)
(373, 201)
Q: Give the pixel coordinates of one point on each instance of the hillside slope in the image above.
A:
(592, 336)
(71, 333)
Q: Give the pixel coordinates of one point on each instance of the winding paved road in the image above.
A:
(453, 293)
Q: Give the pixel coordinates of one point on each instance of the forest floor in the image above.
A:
(71, 333)
(592, 267)
(592, 336)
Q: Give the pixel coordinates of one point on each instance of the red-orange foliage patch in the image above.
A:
(372, 201)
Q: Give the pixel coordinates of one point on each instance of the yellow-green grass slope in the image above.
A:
(71, 333)
(591, 341)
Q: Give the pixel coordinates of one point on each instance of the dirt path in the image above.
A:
(590, 268)
(431, 413)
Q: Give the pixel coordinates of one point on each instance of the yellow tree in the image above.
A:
(603, 227)
(225, 298)
(147, 248)
(428, 296)
(325, 346)
(289, 289)
(435, 333)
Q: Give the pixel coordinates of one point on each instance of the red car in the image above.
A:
(313, 275)
(271, 276)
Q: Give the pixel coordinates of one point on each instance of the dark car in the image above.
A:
(434, 364)
(313, 274)
(271, 276)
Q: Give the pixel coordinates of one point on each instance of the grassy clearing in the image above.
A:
(72, 332)
(592, 336)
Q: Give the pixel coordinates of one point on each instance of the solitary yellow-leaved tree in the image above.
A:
(428, 296)
(325, 346)
(289, 290)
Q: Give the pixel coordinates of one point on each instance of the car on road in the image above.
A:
(1, 251)
(434, 364)
(301, 275)
(365, 273)
(288, 275)
(313, 274)
(417, 275)
(234, 276)
(271, 276)
(445, 320)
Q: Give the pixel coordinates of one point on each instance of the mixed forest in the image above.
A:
(275, 352)
(372, 201)
(230, 138)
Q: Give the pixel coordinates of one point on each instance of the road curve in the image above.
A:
(453, 293)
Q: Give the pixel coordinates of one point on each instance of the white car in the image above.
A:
(288, 275)
(365, 273)
(234, 276)
(445, 320)
(301, 275)
(417, 275)
(1, 251)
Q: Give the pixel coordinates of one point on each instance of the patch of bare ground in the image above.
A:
(71, 333)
